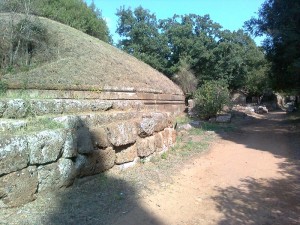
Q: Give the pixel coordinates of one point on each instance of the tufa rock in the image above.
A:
(19, 187)
(46, 146)
(123, 133)
(126, 155)
(14, 154)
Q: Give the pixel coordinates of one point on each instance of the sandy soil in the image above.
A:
(249, 177)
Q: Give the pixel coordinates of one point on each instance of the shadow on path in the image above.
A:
(265, 201)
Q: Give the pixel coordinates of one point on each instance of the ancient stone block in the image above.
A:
(19, 187)
(56, 175)
(14, 154)
(122, 133)
(159, 142)
(2, 107)
(43, 107)
(97, 161)
(161, 121)
(126, 155)
(145, 146)
(97, 105)
(99, 137)
(46, 146)
(146, 127)
(15, 108)
(84, 141)
(70, 146)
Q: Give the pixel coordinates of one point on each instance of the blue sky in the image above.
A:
(231, 14)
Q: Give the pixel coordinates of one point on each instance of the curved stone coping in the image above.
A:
(93, 94)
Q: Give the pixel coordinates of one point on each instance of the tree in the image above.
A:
(75, 13)
(279, 20)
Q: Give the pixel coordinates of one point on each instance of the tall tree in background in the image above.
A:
(207, 51)
(279, 20)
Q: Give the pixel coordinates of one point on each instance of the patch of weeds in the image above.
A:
(196, 131)
(183, 119)
(206, 126)
(43, 123)
(164, 155)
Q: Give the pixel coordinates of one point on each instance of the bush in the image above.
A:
(211, 97)
(186, 79)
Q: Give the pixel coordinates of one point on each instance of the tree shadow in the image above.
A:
(265, 201)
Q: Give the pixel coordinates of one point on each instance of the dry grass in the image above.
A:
(81, 62)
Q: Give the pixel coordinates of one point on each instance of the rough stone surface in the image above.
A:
(12, 125)
(99, 137)
(225, 118)
(145, 146)
(69, 122)
(46, 146)
(42, 107)
(70, 147)
(146, 127)
(159, 142)
(15, 108)
(122, 133)
(262, 110)
(126, 155)
(2, 107)
(162, 121)
(84, 141)
(18, 188)
(168, 136)
(97, 161)
(14, 154)
(56, 175)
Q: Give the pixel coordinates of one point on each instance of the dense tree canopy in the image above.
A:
(212, 53)
(75, 13)
(279, 20)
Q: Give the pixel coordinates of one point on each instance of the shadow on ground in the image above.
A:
(96, 200)
(265, 201)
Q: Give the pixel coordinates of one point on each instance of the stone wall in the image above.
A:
(46, 144)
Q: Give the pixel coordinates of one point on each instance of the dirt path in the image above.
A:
(249, 177)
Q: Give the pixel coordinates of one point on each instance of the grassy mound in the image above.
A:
(81, 62)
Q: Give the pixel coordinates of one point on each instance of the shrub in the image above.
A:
(211, 97)
(186, 79)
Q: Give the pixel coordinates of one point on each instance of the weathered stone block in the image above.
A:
(84, 141)
(14, 154)
(96, 162)
(99, 137)
(159, 142)
(70, 145)
(145, 146)
(46, 146)
(15, 108)
(162, 121)
(19, 187)
(56, 175)
(126, 155)
(146, 127)
(43, 107)
(69, 122)
(122, 133)
(2, 107)
(97, 105)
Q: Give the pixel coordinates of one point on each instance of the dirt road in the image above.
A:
(250, 177)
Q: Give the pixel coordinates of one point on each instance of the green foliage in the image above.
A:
(186, 78)
(279, 21)
(75, 13)
(211, 97)
(190, 45)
